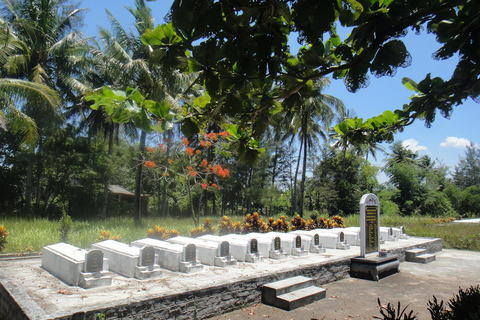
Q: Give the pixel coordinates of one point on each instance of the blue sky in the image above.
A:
(444, 141)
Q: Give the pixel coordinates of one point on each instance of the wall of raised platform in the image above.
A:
(195, 304)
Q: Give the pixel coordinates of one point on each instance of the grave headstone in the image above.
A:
(148, 256)
(277, 247)
(191, 253)
(231, 246)
(369, 266)
(224, 249)
(76, 266)
(262, 245)
(94, 261)
(289, 243)
(208, 252)
(277, 243)
(174, 257)
(129, 261)
(254, 246)
(310, 241)
(369, 224)
(298, 242)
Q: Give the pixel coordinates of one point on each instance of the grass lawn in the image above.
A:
(31, 235)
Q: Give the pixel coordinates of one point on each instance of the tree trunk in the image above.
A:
(29, 183)
(304, 170)
(106, 177)
(294, 197)
(192, 209)
(164, 207)
(137, 213)
(274, 170)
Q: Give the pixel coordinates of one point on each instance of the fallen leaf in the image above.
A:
(265, 316)
(65, 292)
(144, 288)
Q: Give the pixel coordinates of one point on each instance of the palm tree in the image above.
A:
(313, 114)
(126, 62)
(44, 50)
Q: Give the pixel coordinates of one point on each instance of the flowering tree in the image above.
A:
(188, 166)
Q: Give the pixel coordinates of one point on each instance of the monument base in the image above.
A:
(317, 249)
(89, 280)
(224, 261)
(374, 267)
(342, 246)
(277, 254)
(299, 252)
(253, 258)
(189, 267)
(148, 272)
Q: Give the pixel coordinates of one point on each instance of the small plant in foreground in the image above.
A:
(390, 313)
(3, 237)
(107, 235)
(463, 306)
(66, 224)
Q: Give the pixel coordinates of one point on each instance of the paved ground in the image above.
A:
(357, 299)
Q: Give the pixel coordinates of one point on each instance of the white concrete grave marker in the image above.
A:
(369, 224)
(314, 243)
(209, 252)
(76, 266)
(128, 261)
(174, 257)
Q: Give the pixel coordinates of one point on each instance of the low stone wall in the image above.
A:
(209, 302)
(196, 304)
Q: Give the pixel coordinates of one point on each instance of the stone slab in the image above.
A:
(299, 298)
(374, 268)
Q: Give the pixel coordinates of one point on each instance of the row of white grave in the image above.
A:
(144, 258)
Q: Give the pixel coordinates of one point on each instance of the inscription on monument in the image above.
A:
(148, 256)
(298, 242)
(342, 237)
(224, 249)
(94, 261)
(191, 253)
(316, 239)
(276, 243)
(371, 232)
(254, 246)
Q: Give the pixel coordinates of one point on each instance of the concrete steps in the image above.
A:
(292, 293)
(419, 256)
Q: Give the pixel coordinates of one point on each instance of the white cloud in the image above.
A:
(455, 142)
(412, 144)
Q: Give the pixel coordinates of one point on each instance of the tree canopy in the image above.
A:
(239, 48)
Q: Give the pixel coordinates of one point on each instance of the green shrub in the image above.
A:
(66, 224)
(3, 237)
(463, 306)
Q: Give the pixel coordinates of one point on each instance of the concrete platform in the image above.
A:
(356, 299)
(29, 292)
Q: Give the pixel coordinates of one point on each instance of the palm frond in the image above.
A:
(35, 92)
